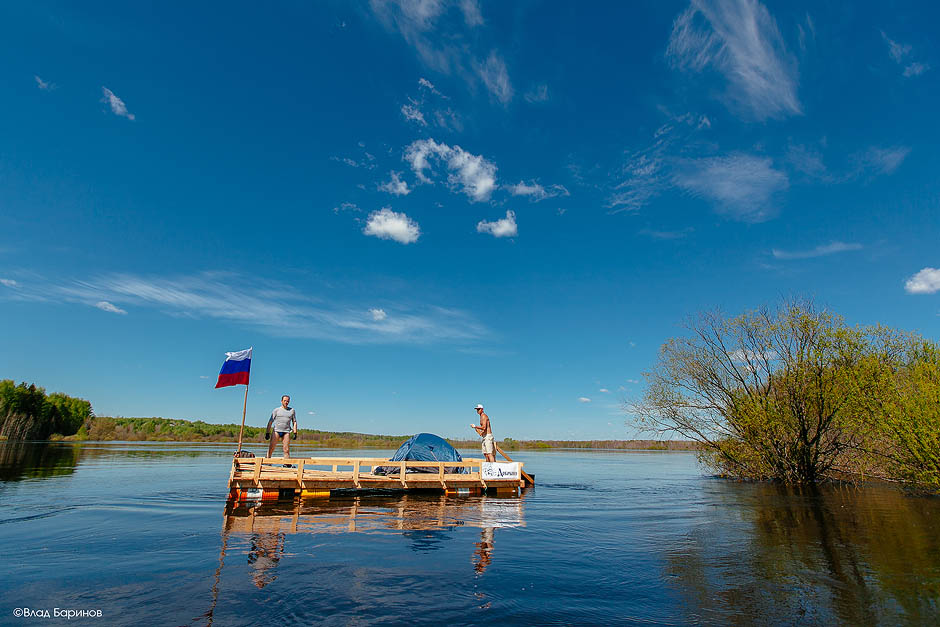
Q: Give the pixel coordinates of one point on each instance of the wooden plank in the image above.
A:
(300, 472)
(402, 474)
(356, 473)
(257, 473)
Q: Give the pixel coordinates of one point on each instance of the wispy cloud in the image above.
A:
(901, 55)
(387, 224)
(413, 113)
(117, 105)
(604, 391)
(9, 283)
(739, 185)
(504, 227)
(471, 174)
(496, 77)
(820, 251)
(43, 85)
(739, 39)
(536, 192)
(647, 172)
(395, 185)
(666, 235)
(445, 40)
(271, 307)
(584, 399)
(347, 206)
(538, 93)
(881, 160)
(104, 305)
(927, 281)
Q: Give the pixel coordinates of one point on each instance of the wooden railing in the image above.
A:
(314, 468)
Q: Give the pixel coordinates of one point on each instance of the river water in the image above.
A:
(140, 532)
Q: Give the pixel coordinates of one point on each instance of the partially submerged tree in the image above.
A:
(768, 394)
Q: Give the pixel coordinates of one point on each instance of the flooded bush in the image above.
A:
(796, 395)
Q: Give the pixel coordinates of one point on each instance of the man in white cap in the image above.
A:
(485, 431)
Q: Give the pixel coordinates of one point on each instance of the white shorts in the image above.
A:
(489, 444)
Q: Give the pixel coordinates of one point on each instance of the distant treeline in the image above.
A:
(28, 413)
(176, 430)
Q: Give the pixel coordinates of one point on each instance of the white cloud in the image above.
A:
(395, 185)
(504, 227)
(378, 314)
(536, 192)
(9, 283)
(472, 174)
(203, 376)
(927, 281)
(471, 12)
(311, 413)
(106, 306)
(387, 224)
(425, 83)
(740, 39)
(584, 399)
(604, 390)
(741, 186)
(632, 381)
(882, 160)
(347, 206)
(43, 85)
(117, 105)
(274, 308)
(445, 44)
(900, 52)
(496, 77)
(915, 69)
(820, 251)
(538, 93)
(413, 113)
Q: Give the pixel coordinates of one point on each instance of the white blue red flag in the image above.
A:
(235, 369)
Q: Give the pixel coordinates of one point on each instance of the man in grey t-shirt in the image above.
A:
(284, 421)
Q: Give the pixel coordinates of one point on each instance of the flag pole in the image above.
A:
(244, 411)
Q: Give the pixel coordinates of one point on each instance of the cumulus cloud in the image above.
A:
(117, 105)
(504, 227)
(378, 314)
(535, 192)
(739, 39)
(927, 281)
(825, 249)
(395, 185)
(387, 224)
(471, 174)
(739, 185)
(104, 305)
(584, 399)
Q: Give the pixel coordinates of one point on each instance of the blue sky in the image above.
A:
(408, 208)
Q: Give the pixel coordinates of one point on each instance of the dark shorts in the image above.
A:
(281, 434)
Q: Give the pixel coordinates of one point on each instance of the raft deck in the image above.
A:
(315, 476)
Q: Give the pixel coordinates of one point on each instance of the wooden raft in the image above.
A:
(355, 473)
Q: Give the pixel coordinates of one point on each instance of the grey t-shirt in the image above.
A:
(283, 419)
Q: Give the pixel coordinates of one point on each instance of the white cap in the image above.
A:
(478, 406)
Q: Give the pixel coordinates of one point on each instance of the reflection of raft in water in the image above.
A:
(422, 463)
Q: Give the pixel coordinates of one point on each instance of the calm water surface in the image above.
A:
(141, 531)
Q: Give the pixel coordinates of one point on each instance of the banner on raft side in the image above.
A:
(499, 470)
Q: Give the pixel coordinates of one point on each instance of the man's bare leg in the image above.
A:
(286, 445)
(271, 445)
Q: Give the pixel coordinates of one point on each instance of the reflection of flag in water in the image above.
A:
(235, 369)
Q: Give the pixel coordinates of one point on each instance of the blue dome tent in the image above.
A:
(424, 447)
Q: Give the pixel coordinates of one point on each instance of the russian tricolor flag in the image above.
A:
(235, 369)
